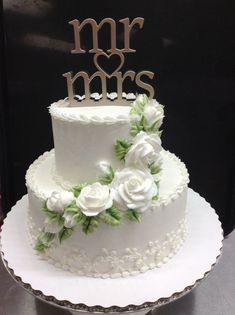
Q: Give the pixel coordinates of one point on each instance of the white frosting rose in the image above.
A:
(69, 220)
(59, 201)
(153, 112)
(144, 151)
(133, 189)
(94, 199)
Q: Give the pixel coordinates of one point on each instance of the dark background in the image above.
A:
(190, 45)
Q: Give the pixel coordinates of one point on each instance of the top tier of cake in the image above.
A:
(84, 137)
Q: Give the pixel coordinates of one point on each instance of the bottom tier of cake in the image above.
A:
(114, 251)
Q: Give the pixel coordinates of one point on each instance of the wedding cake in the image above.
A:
(108, 200)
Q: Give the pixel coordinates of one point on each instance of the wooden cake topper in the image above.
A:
(99, 54)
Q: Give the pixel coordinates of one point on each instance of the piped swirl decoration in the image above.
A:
(122, 194)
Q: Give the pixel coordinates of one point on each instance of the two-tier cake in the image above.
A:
(108, 201)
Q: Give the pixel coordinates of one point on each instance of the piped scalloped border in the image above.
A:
(183, 184)
(114, 308)
(30, 175)
(56, 113)
(32, 184)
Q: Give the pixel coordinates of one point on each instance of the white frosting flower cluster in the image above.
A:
(134, 187)
(92, 200)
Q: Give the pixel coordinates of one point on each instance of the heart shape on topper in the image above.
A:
(99, 66)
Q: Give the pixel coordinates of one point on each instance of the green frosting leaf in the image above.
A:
(153, 127)
(80, 218)
(40, 247)
(136, 128)
(90, 224)
(112, 216)
(154, 168)
(76, 213)
(138, 106)
(134, 215)
(77, 189)
(108, 177)
(53, 216)
(44, 241)
(157, 183)
(155, 197)
(64, 234)
(121, 148)
(47, 237)
(72, 208)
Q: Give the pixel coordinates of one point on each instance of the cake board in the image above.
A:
(140, 293)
